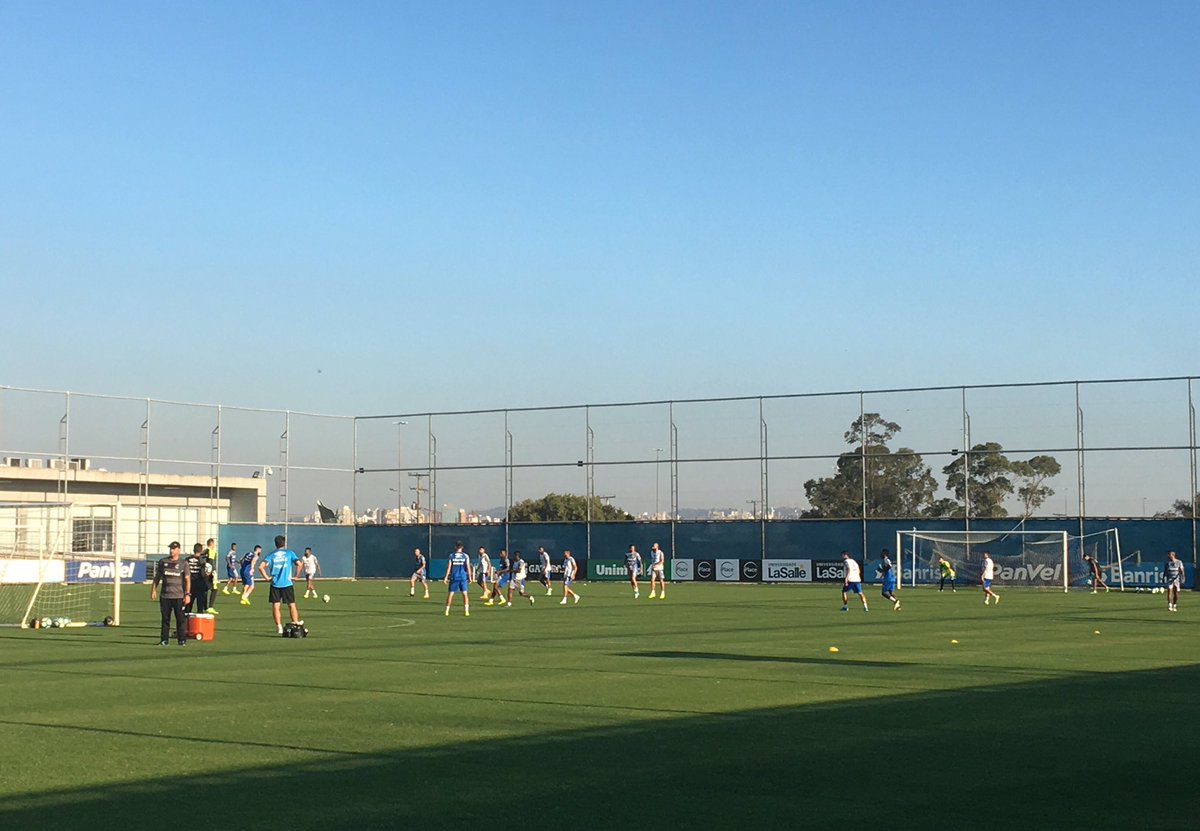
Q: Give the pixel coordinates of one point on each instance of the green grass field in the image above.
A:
(720, 707)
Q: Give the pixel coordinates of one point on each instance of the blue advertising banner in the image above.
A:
(101, 571)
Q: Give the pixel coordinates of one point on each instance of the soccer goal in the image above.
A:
(1105, 548)
(59, 565)
(1022, 558)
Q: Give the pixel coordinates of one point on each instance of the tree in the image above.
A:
(988, 478)
(898, 483)
(1180, 508)
(565, 507)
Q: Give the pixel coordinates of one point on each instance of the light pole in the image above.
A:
(1143, 507)
(399, 472)
(657, 469)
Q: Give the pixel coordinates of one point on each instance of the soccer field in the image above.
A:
(720, 707)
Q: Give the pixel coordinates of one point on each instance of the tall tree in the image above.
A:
(898, 482)
(988, 477)
(565, 507)
(1182, 508)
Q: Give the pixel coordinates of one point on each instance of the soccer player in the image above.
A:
(176, 581)
(231, 568)
(197, 585)
(248, 561)
(658, 571)
(852, 582)
(419, 574)
(211, 570)
(570, 567)
(483, 573)
(312, 569)
(544, 559)
(458, 578)
(1097, 577)
(517, 578)
(948, 573)
(633, 567)
(889, 579)
(989, 571)
(1173, 575)
(285, 567)
(500, 577)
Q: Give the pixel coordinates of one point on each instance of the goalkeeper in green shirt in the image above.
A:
(948, 573)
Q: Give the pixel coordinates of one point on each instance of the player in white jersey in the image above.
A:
(483, 573)
(544, 560)
(852, 582)
(1173, 576)
(658, 571)
(311, 568)
(985, 579)
(420, 573)
(569, 569)
(516, 570)
(633, 568)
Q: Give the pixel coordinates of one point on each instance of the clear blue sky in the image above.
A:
(388, 207)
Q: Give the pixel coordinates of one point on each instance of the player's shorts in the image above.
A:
(308, 575)
(567, 581)
(889, 586)
(503, 581)
(659, 570)
(987, 584)
(631, 572)
(247, 576)
(853, 587)
(519, 582)
(231, 572)
(1176, 584)
(419, 574)
(283, 594)
(458, 584)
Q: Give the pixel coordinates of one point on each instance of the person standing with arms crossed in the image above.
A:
(231, 568)
(458, 579)
(197, 586)
(658, 571)
(989, 571)
(172, 573)
(852, 582)
(284, 568)
(1173, 575)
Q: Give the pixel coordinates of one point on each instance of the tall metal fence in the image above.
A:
(1126, 449)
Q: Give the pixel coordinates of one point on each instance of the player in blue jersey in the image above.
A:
(284, 567)
(500, 577)
(232, 562)
(1173, 576)
(544, 560)
(658, 571)
(888, 575)
(633, 568)
(569, 569)
(458, 578)
(516, 578)
(247, 573)
(419, 574)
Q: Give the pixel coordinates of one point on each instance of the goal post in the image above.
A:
(60, 563)
(1038, 559)
(1105, 548)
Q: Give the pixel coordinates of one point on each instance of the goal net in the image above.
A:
(1022, 558)
(58, 564)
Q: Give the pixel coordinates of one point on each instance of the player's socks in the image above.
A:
(635, 595)
(997, 597)
(985, 601)
(279, 629)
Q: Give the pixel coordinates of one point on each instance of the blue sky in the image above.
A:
(391, 207)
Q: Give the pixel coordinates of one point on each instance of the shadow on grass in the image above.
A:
(1026, 756)
(769, 659)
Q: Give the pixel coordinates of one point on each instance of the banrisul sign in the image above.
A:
(101, 571)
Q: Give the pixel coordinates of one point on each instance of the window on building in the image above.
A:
(91, 534)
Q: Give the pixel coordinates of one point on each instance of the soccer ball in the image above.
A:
(45, 623)
(325, 599)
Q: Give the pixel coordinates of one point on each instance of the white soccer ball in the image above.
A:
(325, 599)
(46, 623)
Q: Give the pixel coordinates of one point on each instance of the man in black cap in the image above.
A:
(172, 573)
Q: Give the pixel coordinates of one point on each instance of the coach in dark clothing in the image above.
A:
(172, 573)
(199, 584)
